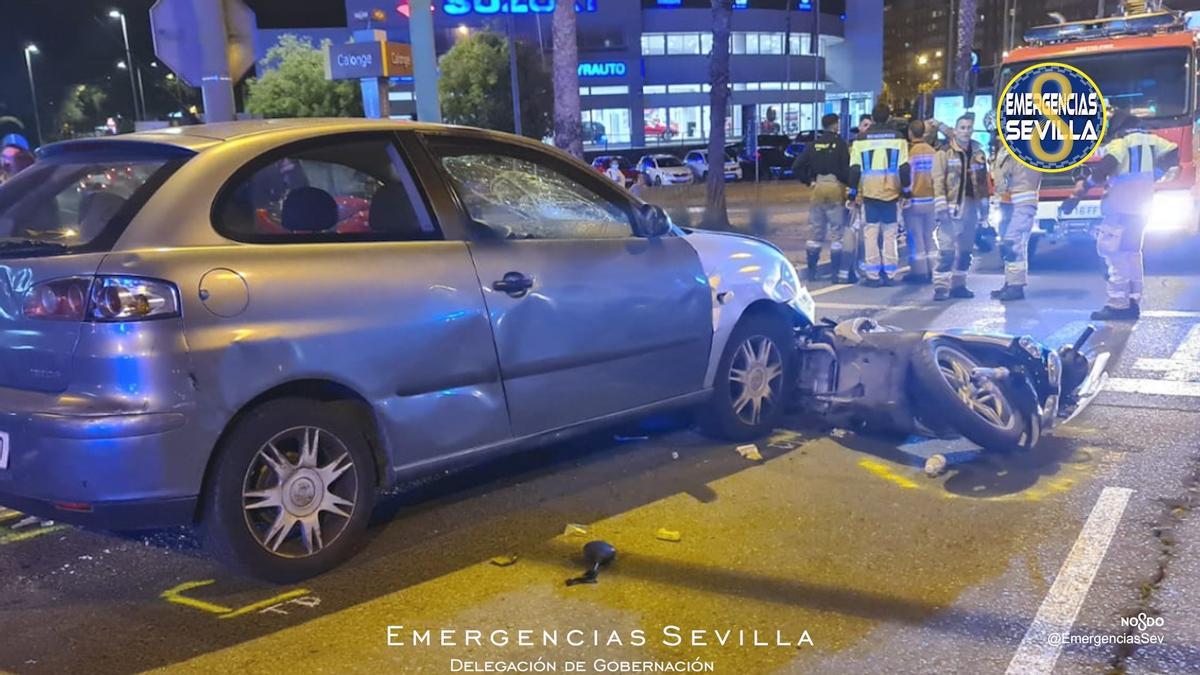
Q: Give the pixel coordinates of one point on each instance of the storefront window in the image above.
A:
(688, 121)
(653, 43)
(706, 43)
(683, 43)
(606, 126)
(770, 43)
(657, 127)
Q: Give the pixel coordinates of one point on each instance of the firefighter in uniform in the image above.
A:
(879, 177)
(825, 167)
(1017, 185)
(919, 213)
(960, 188)
(1132, 160)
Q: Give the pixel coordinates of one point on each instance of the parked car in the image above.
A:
(664, 169)
(769, 158)
(697, 161)
(601, 162)
(258, 326)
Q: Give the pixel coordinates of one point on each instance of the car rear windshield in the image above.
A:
(668, 162)
(79, 201)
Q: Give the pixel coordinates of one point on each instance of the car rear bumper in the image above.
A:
(104, 468)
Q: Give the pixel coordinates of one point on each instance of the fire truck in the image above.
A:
(1145, 62)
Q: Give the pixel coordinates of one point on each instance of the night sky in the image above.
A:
(79, 43)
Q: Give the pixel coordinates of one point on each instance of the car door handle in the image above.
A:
(514, 284)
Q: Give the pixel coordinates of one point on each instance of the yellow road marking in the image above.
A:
(176, 595)
(282, 597)
(14, 537)
(8, 514)
(887, 474)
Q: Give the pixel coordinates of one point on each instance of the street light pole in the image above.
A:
(37, 118)
(116, 14)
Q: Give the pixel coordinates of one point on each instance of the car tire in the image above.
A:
(722, 417)
(657, 179)
(238, 532)
(940, 369)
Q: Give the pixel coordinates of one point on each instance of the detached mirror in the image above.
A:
(654, 221)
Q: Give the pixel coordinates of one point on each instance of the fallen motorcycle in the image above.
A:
(1001, 392)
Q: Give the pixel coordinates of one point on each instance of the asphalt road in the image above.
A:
(836, 545)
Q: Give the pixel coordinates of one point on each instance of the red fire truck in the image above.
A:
(1147, 64)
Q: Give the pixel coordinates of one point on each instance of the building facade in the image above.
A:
(644, 63)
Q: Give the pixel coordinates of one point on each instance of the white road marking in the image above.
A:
(1184, 364)
(843, 287)
(1145, 385)
(991, 308)
(1038, 652)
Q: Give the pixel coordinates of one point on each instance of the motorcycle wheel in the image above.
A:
(983, 413)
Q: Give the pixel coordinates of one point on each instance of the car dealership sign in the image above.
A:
(602, 69)
(464, 7)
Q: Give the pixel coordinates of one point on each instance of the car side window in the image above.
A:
(338, 190)
(517, 196)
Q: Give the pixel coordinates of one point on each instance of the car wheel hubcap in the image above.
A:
(756, 378)
(299, 492)
(984, 398)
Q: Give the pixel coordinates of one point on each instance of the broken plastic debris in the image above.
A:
(674, 455)
(575, 530)
(503, 560)
(838, 433)
(935, 465)
(664, 534)
(596, 554)
(749, 451)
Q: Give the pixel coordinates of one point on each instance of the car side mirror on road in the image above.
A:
(654, 221)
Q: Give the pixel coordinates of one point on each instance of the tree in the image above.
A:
(716, 216)
(82, 110)
(474, 86)
(293, 84)
(568, 122)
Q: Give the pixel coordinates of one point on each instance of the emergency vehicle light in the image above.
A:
(1092, 29)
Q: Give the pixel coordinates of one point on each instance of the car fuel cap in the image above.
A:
(224, 292)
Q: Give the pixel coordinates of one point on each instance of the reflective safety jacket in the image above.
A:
(920, 162)
(879, 165)
(1014, 182)
(1131, 163)
(953, 169)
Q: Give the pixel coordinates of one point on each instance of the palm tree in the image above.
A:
(716, 216)
(568, 121)
(966, 42)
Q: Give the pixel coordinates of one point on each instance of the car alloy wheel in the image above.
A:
(299, 491)
(756, 377)
(984, 398)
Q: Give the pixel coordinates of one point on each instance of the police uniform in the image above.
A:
(1017, 186)
(960, 188)
(880, 175)
(1129, 165)
(825, 166)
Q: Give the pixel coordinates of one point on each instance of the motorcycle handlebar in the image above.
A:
(1083, 338)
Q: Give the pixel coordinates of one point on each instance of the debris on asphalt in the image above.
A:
(750, 452)
(935, 465)
(839, 433)
(503, 560)
(674, 455)
(26, 522)
(664, 534)
(596, 554)
(575, 530)
(629, 439)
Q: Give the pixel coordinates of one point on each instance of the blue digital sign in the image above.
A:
(464, 7)
(602, 69)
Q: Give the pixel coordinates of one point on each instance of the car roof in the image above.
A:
(198, 137)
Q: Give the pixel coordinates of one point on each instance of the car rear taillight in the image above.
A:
(102, 299)
(59, 300)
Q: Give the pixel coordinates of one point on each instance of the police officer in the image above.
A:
(825, 167)
(879, 177)
(1017, 186)
(960, 187)
(919, 213)
(1133, 158)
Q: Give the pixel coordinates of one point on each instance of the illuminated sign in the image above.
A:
(357, 60)
(602, 69)
(463, 7)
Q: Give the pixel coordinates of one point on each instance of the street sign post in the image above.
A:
(371, 60)
(208, 43)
